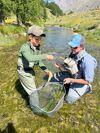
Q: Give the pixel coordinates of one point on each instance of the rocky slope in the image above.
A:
(78, 5)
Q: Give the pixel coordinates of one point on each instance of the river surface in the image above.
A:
(56, 39)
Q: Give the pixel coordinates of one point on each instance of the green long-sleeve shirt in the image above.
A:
(28, 57)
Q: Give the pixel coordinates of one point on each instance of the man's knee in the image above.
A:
(71, 99)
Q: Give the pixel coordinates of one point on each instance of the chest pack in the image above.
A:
(71, 65)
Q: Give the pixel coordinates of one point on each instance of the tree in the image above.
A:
(44, 12)
(1, 12)
(28, 10)
(25, 10)
(5, 9)
(55, 10)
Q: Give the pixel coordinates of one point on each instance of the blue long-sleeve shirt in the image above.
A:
(87, 67)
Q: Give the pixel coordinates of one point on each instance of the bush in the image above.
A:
(91, 27)
(11, 29)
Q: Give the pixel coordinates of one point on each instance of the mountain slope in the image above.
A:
(77, 5)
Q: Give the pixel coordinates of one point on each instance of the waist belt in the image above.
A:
(24, 69)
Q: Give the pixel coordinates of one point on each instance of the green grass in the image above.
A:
(11, 35)
(10, 40)
(11, 29)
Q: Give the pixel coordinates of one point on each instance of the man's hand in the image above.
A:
(50, 57)
(68, 80)
(56, 65)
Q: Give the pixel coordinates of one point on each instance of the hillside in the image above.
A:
(78, 5)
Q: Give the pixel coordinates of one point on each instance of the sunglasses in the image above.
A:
(74, 47)
(38, 38)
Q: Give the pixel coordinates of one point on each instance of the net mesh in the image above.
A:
(48, 99)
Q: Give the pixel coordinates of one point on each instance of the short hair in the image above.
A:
(82, 40)
(82, 46)
(82, 43)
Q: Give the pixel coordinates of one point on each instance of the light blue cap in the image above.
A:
(77, 40)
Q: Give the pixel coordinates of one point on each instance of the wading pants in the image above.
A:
(76, 91)
(27, 80)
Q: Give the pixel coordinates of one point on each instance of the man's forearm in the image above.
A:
(79, 81)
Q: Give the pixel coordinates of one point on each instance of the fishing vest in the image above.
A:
(71, 64)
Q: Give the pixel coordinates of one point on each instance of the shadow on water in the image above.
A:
(9, 129)
(21, 91)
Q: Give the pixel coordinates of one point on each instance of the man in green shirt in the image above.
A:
(30, 55)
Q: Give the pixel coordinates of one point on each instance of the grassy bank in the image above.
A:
(11, 35)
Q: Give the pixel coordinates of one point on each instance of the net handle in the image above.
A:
(49, 78)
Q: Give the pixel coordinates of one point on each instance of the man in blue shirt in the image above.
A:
(81, 82)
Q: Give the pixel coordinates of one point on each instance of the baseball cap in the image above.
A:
(36, 31)
(77, 40)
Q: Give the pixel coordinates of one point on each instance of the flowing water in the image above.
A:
(56, 39)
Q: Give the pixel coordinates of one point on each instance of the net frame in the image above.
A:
(38, 110)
